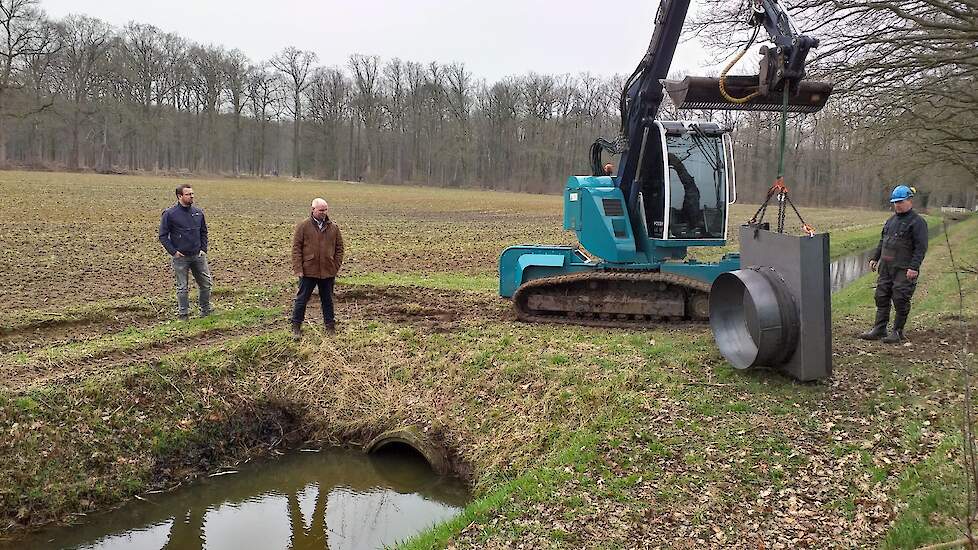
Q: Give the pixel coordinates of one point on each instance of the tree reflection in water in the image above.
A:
(334, 499)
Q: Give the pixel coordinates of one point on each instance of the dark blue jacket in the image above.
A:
(903, 241)
(183, 229)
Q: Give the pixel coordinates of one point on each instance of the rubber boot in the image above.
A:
(879, 328)
(896, 335)
(297, 331)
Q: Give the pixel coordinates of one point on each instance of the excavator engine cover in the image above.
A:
(776, 310)
(696, 92)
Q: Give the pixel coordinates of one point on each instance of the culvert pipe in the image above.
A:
(754, 317)
(415, 439)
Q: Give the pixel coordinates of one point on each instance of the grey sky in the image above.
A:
(494, 38)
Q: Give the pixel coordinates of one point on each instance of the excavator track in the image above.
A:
(626, 299)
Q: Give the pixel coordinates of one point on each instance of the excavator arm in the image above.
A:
(782, 65)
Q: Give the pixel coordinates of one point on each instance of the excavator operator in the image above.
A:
(691, 212)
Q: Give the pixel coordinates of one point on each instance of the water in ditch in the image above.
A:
(336, 499)
(846, 269)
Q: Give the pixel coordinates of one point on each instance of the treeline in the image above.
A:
(78, 93)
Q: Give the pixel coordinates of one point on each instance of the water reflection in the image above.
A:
(845, 270)
(334, 499)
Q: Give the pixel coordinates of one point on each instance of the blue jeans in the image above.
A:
(306, 286)
(202, 274)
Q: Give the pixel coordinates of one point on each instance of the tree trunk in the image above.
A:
(296, 148)
(73, 157)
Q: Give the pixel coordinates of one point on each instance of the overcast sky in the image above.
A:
(494, 38)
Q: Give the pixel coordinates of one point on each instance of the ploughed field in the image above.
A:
(70, 239)
(571, 436)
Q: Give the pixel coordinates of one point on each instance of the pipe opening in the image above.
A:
(408, 440)
(753, 317)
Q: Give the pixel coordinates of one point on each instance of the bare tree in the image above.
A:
(157, 101)
(366, 99)
(264, 97)
(86, 41)
(296, 67)
(145, 66)
(39, 78)
(395, 104)
(21, 34)
(328, 96)
(459, 96)
(208, 84)
(912, 63)
(236, 77)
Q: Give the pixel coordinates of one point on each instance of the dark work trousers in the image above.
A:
(893, 285)
(306, 285)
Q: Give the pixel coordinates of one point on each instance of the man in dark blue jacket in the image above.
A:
(183, 233)
(897, 257)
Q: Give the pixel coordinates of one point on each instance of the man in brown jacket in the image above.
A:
(317, 253)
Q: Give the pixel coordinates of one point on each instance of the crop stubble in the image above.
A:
(69, 239)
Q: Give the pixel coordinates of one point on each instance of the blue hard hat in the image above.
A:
(901, 193)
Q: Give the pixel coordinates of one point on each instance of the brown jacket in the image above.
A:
(316, 253)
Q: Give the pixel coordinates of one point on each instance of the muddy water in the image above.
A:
(333, 499)
(846, 269)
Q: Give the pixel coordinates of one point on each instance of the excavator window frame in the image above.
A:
(680, 128)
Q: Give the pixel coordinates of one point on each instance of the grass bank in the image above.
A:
(857, 240)
(73, 448)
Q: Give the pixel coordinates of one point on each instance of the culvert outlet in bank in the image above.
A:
(414, 439)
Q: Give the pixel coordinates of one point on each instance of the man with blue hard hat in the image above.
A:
(897, 258)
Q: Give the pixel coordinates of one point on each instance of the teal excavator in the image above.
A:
(672, 191)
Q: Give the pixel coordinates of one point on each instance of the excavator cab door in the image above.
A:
(698, 174)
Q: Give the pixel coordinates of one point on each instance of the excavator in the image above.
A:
(672, 191)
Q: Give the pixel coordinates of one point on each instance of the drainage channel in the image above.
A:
(844, 270)
(334, 498)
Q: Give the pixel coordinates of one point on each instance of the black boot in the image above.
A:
(895, 337)
(297, 331)
(879, 328)
(331, 327)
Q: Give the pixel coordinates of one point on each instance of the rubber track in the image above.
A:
(616, 276)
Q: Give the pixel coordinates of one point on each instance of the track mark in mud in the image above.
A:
(434, 310)
(41, 335)
(438, 310)
(18, 377)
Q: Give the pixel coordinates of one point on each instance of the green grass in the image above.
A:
(850, 241)
(100, 311)
(932, 490)
(565, 428)
(79, 447)
(937, 293)
(132, 339)
(434, 280)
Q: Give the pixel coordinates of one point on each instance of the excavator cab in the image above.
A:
(688, 199)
